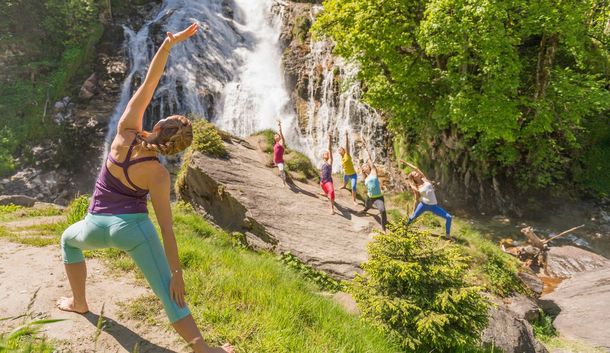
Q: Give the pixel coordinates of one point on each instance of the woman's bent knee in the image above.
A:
(71, 254)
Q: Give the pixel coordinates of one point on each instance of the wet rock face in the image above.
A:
(565, 261)
(581, 307)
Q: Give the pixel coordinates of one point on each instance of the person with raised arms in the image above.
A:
(425, 198)
(373, 190)
(278, 152)
(349, 172)
(118, 212)
(326, 174)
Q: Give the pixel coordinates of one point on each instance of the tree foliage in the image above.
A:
(417, 290)
(485, 91)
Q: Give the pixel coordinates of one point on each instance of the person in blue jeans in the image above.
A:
(425, 198)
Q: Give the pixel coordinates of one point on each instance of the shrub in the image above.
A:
(417, 290)
(300, 165)
(207, 140)
(77, 210)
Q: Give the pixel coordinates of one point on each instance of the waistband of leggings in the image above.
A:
(127, 217)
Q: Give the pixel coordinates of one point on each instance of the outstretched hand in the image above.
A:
(175, 38)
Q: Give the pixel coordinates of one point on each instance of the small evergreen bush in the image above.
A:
(417, 290)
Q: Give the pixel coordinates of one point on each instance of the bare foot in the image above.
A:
(344, 187)
(226, 348)
(67, 304)
(355, 202)
(332, 212)
(322, 194)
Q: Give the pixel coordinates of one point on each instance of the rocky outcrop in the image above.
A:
(241, 194)
(565, 261)
(533, 282)
(19, 200)
(512, 334)
(57, 170)
(580, 304)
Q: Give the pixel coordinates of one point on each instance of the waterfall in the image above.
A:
(230, 73)
(334, 105)
(197, 70)
(256, 99)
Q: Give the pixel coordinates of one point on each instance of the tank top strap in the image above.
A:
(114, 161)
(130, 150)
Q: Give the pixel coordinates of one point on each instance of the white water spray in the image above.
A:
(231, 74)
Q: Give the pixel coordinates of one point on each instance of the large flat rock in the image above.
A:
(241, 193)
(583, 306)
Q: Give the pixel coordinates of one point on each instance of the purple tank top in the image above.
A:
(112, 197)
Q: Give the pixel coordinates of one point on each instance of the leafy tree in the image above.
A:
(488, 94)
(416, 289)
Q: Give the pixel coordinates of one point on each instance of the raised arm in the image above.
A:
(371, 160)
(134, 112)
(330, 147)
(347, 143)
(414, 167)
(282, 140)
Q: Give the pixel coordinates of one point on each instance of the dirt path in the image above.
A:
(26, 270)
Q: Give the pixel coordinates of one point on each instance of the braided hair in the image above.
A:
(175, 135)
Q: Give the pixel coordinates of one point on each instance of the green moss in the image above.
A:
(207, 140)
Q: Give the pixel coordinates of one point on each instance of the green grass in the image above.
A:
(253, 300)
(13, 212)
(258, 301)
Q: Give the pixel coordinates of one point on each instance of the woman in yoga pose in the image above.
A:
(425, 198)
(118, 215)
(349, 172)
(373, 190)
(326, 174)
(278, 152)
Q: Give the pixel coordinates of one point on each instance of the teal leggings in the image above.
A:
(133, 233)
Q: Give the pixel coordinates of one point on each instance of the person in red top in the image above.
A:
(278, 152)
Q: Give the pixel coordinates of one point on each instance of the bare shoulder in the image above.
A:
(158, 175)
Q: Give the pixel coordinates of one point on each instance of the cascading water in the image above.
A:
(231, 74)
(334, 106)
(256, 99)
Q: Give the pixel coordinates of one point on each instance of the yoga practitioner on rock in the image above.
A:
(278, 152)
(425, 198)
(118, 215)
(373, 190)
(349, 172)
(326, 174)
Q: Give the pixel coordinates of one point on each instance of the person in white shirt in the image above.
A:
(425, 198)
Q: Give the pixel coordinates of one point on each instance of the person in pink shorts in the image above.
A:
(278, 152)
(326, 175)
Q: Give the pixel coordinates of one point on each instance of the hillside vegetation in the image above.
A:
(491, 96)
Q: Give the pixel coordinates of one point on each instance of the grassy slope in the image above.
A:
(256, 301)
(247, 298)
